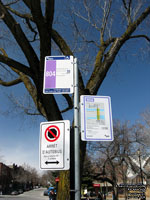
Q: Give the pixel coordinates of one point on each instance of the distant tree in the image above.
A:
(48, 178)
(145, 115)
(29, 25)
(31, 174)
(113, 158)
(25, 175)
(88, 173)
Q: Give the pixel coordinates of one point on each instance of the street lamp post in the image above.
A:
(104, 189)
(141, 172)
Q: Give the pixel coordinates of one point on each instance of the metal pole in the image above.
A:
(76, 133)
(141, 168)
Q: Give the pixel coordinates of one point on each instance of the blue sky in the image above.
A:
(129, 90)
(127, 83)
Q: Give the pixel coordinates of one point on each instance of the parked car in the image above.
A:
(20, 191)
(45, 193)
(14, 192)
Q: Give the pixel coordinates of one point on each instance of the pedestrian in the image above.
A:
(52, 195)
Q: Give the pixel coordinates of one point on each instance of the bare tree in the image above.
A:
(48, 179)
(29, 24)
(31, 175)
(113, 159)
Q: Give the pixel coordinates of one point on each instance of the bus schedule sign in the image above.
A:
(96, 118)
(58, 75)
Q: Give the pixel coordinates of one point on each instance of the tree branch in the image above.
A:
(16, 65)
(66, 51)
(140, 36)
(61, 43)
(33, 93)
(10, 83)
(25, 16)
(43, 29)
(35, 6)
(29, 113)
(70, 104)
(83, 35)
(18, 33)
(8, 4)
(105, 20)
(102, 65)
(109, 41)
(49, 13)
(27, 3)
(32, 30)
(27, 82)
(125, 5)
(128, 10)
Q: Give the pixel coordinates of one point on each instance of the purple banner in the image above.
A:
(50, 74)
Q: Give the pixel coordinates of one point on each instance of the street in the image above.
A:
(36, 194)
(30, 195)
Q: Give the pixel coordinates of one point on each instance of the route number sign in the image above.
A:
(96, 118)
(55, 145)
(58, 75)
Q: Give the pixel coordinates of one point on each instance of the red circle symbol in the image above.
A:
(52, 133)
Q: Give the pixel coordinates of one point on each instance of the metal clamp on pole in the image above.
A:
(73, 191)
(76, 108)
(76, 134)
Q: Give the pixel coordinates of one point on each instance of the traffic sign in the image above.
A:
(57, 179)
(96, 185)
(55, 145)
(52, 133)
(96, 118)
(58, 75)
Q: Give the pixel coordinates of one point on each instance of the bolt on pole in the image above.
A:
(76, 133)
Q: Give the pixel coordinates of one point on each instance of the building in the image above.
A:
(15, 178)
(5, 179)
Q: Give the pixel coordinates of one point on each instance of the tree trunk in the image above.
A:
(64, 186)
(115, 193)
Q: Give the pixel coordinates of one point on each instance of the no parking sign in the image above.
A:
(55, 145)
(52, 133)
